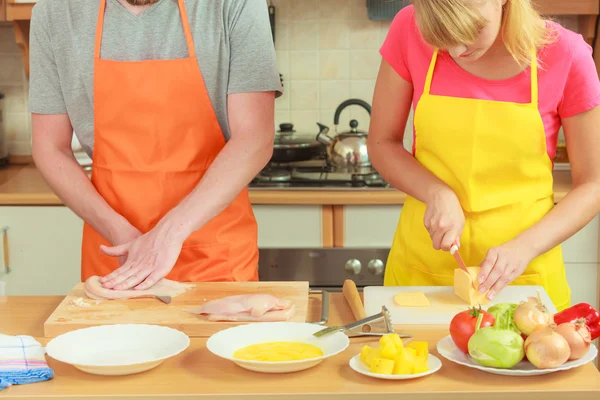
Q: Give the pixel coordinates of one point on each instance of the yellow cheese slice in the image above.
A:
(463, 286)
(411, 299)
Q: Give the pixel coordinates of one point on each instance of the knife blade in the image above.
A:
(454, 251)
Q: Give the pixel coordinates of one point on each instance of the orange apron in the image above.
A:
(155, 136)
(493, 155)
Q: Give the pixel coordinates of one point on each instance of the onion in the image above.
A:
(546, 348)
(532, 315)
(578, 336)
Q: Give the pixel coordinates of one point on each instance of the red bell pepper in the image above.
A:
(581, 311)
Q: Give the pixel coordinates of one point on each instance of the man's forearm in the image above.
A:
(71, 184)
(232, 170)
(569, 216)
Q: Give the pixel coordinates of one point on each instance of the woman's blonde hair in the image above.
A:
(448, 23)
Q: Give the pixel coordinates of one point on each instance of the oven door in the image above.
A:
(324, 268)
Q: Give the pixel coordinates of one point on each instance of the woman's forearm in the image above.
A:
(569, 216)
(401, 170)
(67, 179)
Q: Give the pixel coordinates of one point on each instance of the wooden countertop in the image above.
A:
(198, 374)
(24, 185)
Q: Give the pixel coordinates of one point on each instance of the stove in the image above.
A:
(316, 173)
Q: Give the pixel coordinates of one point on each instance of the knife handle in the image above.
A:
(353, 298)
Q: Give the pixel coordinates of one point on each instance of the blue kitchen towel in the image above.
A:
(22, 361)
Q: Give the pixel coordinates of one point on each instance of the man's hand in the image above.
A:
(149, 258)
(124, 235)
(502, 265)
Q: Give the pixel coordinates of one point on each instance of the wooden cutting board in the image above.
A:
(69, 316)
(444, 304)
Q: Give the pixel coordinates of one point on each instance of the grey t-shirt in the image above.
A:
(232, 38)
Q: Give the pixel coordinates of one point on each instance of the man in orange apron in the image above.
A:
(156, 141)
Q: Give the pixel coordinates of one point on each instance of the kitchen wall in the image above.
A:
(327, 50)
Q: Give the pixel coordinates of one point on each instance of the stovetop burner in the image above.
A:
(316, 173)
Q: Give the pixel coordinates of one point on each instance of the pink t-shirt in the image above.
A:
(567, 76)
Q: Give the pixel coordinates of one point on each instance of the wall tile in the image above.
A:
(333, 93)
(335, 64)
(14, 99)
(304, 64)
(304, 95)
(12, 72)
(364, 64)
(304, 35)
(8, 45)
(304, 9)
(365, 35)
(362, 89)
(305, 121)
(334, 9)
(334, 35)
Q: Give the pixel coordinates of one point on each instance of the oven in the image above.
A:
(324, 268)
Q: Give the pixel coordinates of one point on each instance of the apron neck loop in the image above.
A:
(534, 78)
(184, 19)
(99, 29)
(430, 72)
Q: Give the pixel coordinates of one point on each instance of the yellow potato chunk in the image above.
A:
(389, 351)
(382, 366)
(421, 348)
(420, 366)
(404, 363)
(364, 354)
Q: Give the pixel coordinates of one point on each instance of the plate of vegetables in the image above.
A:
(522, 339)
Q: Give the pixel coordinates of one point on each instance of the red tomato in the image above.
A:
(463, 325)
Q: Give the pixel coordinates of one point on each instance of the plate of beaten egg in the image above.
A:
(276, 347)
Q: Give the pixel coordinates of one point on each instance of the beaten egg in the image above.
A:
(278, 351)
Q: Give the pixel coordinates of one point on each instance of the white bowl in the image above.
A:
(228, 341)
(119, 349)
(433, 363)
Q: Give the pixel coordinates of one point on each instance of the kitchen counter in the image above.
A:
(198, 374)
(24, 185)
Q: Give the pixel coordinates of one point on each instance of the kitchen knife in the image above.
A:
(353, 298)
(461, 263)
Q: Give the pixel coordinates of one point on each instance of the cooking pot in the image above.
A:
(292, 147)
(347, 151)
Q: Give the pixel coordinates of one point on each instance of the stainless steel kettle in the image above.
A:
(347, 151)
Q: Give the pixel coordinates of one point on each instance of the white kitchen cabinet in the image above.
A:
(44, 248)
(291, 226)
(370, 226)
(583, 280)
(583, 246)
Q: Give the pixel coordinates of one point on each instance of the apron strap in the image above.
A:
(430, 72)
(99, 29)
(186, 28)
(184, 18)
(534, 78)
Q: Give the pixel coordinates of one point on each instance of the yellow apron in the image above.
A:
(493, 155)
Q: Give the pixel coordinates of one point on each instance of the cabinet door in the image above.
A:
(44, 249)
(370, 226)
(2, 10)
(293, 226)
(583, 246)
(583, 280)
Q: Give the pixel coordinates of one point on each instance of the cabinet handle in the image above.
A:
(5, 245)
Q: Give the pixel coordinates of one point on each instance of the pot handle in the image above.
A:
(351, 102)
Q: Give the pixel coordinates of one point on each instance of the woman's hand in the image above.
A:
(444, 219)
(150, 258)
(502, 265)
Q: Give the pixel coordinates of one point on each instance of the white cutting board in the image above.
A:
(444, 303)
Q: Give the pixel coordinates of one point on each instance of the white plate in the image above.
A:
(228, 341)
(119, 349)
(433, 363)
(448, 349)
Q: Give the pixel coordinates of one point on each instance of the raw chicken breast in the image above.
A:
(250, 307)
(269, 316)
(94, 290)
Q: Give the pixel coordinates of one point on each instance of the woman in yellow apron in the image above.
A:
(490, 83)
